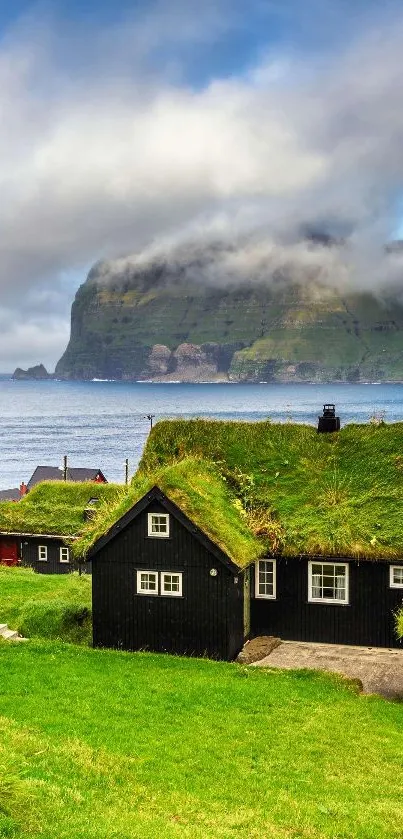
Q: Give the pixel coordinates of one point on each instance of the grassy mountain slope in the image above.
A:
(151, 325)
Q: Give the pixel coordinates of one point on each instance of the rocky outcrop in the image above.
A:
(191, 362)
(159, 361)
(38, 372)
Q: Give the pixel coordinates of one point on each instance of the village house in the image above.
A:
(38, 531)
(53, 473)
(292, 534)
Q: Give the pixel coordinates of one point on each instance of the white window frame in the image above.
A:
(257, 593)
(171, 593)
(153, 534)
(64, 552)
(328, 600)
(43, 548)
(392, 583)
(143, 590)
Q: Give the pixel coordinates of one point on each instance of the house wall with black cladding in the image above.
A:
(367, 620)
(206, 620)
(52, 565)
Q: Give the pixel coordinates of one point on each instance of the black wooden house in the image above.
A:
(327, 600)
(160, 583)
(330, 569)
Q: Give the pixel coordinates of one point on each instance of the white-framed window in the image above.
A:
(64, 555)
(265, 579)
(147, 582)
(396, 576)
(42, 553)
(158, 524)
(328, 582)
(171, 584)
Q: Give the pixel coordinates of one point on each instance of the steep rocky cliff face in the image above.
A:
(160, 325)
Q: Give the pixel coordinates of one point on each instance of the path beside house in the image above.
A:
(379, 670)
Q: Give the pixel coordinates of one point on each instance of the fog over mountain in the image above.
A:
(125, 156)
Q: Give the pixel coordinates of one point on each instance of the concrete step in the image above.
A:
(9, 634)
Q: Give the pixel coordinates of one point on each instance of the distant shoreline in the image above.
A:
(332, 382)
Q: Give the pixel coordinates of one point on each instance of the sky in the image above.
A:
(135, 128)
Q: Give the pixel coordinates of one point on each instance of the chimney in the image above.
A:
(328, 421)
(23, 489)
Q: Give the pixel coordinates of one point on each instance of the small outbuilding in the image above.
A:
(39, 530)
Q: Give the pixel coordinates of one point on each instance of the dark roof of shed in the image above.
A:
(10, 494)
(55, 473)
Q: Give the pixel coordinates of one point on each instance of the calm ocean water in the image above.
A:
(99, 424)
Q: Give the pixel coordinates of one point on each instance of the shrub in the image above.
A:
(57, 620)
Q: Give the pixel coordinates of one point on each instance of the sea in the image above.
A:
(101, 423)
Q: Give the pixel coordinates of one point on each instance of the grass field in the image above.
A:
(109, 745)
(46, 605)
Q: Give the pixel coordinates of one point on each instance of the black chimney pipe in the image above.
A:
(328, 422)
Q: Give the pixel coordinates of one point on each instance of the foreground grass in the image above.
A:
(46, 605)
(97, 744)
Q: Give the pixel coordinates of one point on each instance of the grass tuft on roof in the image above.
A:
(329, 494)
(55, 507)
(202, 492)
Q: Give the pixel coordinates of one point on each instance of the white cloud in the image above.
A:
(119, 155)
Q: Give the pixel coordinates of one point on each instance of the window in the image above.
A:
(396, 576)
(64, 555)
(327, 582)
(147, 582)
(171, 584)
(265, 578)
(158, 524)
(42, 553)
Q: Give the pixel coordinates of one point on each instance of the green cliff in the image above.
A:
(163, 324)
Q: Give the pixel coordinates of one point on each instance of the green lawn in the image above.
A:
(46, 605)
(109, 745)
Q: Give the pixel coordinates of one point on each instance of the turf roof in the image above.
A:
(55, 507)
(202, 493)
(330, 494)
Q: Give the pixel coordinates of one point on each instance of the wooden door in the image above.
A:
(246, 603)
(8, 551)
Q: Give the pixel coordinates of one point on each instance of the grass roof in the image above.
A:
(55, 507)
(329, 494)
(203, 494)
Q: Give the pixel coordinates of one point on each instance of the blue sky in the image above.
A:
(129, 128)
(246, 31)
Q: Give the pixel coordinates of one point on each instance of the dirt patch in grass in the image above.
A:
(258, 648)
